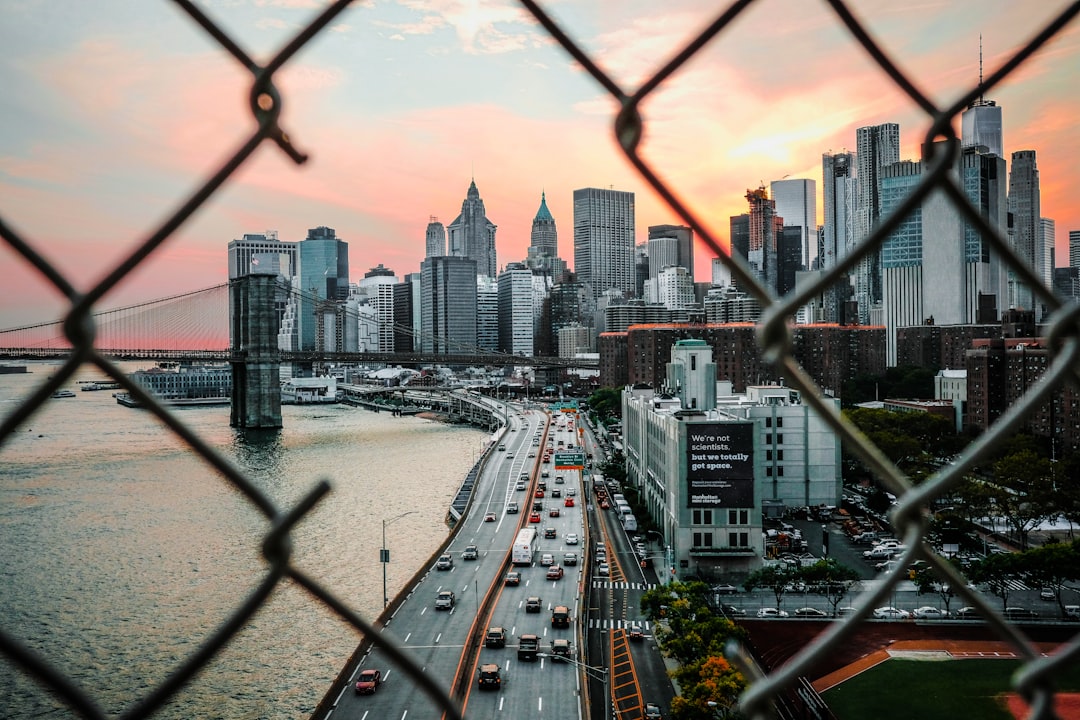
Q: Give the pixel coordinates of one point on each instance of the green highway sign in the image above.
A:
(569, 460)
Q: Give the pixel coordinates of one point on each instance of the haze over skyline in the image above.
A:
(116, 112)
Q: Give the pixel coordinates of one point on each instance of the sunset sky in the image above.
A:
(113, 111)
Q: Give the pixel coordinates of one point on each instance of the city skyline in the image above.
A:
(116, 124)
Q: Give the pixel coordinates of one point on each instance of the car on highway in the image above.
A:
(929, 612)
(495, 637)
(520, 486)
(512, 578)
(512, 508)
(560, 650)
(445, 562)
(532, 454)
(490, 677)
(554, 512)
(571, 539)
(534, 517)
(470, 553)
(569, 559)
(568, 502)
(555, 572)
(532, 604)
(368, 682)
(603, 570)
(891, 613)
(634, 632)
(810, 612)
(490, 517)
(571, 491)
(547, 559)
(652, 712)
(444, 600)
(539, 493)
(556, 493)
(768, 612)
(550, 533)
(559, 480)
(604, 505)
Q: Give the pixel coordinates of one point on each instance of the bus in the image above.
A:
(524, 547)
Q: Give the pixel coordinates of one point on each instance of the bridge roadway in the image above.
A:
(437, 639)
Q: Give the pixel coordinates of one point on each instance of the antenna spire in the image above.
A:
(980, 70)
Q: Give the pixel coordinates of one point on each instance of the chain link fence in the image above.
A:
(1034, 682)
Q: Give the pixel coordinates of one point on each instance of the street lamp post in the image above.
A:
(384, 553)
(590, 671)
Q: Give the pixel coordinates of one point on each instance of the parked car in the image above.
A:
(368, 682)
(928, 612)
(725, 589)
(1020, 613)
(732, 611)
(891, 613)
(810, 612)
(445, 562)
(1046, 594)
(969, 613)
(768, 612)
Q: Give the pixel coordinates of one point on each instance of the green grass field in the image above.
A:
(900, 689)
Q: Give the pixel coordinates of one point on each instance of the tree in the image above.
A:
(997, 572)
(606, 404)
(615, 468)
(1022, 492)
(774, 577)
(1052, 565)
(709, 680)
(832, 579)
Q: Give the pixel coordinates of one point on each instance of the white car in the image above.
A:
(603, 570)
(547, 560)
(891, 613)
(571, 539)
(929, 612)
(771, 613)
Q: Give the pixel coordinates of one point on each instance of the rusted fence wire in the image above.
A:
(1034, 681)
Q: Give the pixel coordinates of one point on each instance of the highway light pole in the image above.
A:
(384, 553)
(590, 671)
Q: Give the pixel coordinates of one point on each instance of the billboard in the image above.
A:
(720, 465)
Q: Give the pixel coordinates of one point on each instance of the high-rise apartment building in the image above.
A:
(448, 304)
(487, 314)
(1027, 236)
(323, 278)
(472, 235)
(765, 226)
(876, 146)
(435, 238)
(604, 240)
(796, 202)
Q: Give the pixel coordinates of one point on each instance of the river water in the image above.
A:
(120, 550)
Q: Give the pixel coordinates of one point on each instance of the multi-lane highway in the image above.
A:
(442, 641)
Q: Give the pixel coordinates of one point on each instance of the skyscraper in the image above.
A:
(875, 147)
(472, 235)
(1024, 204)
(447, 304)
(604, 240)
(323, 277)
(435, 240)
(765, 228)
(1074, 248)
(796, 202)
(684, 247)
(980, 124)
(516, 321)
(544, 237)
(840, 195)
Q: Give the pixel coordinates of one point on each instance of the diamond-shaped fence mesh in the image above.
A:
(1035, 681)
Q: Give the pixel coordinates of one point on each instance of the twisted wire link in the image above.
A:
(942, 149)
(1034, 680)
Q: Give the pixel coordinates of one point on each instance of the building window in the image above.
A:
(693, 363)
(780, 455)
(780, 471)
(779, 422)
(768, 455)
(768, 438)
(738, 539)
(701, 517)
(738, 517)
(779, 438)
(768, 471)
(768, 422)
(703, 539)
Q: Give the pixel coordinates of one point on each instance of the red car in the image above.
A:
(604, 505)
(534, 518)
(568, 502)
(368, 682)
(553, 512)
(554, 573)
(539, 493)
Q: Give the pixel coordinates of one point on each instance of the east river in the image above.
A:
(121, 550)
